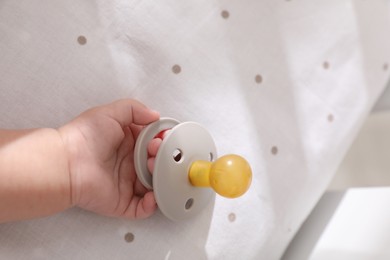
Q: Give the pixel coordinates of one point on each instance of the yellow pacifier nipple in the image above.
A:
(230, 176)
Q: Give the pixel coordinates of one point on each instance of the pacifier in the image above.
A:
(187, 172)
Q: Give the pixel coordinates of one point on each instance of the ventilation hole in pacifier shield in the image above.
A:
(189, 204)
(211, 157)
(177, 155)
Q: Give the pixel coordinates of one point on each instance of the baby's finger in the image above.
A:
(136, 130)
(140, 208)
(129, 111)
(150, 163)
(139, 188)
(153, 147)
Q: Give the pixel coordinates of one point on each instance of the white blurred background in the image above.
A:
(352, 220)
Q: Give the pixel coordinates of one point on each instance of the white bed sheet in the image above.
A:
(286, 84)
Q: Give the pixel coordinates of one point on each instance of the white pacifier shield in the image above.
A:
(176, 197)
(141, 146)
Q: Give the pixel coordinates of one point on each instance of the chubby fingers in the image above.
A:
(130, 111)
(153, 147)
(141, 207)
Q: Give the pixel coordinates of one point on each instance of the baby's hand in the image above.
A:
(100, 146)
(153, 147)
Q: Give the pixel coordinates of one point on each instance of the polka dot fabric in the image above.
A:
(286, 84)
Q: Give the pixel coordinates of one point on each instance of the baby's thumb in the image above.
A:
(129, 111)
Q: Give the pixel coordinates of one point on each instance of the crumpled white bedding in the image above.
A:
(284, 83)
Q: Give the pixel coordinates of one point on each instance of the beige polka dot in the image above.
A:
(385, 66)
(176, 69)
(82, 40)
(232, 217)
(326, 65)
(129, 237)
(330, 118)
(258, 79)
(225, 14)
(274, 150)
